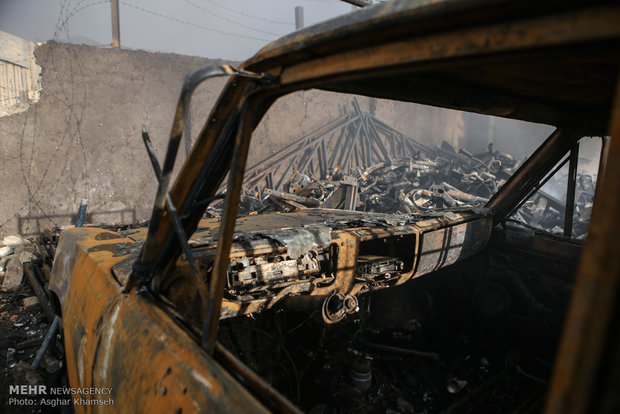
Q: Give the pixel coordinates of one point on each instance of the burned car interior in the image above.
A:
(390, 276)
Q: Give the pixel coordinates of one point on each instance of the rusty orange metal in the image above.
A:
(152, 342)
(583, 381)
(128, 343)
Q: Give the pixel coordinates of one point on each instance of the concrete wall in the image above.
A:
(19, 74)
(82, 139)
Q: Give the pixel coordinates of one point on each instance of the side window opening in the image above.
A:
(590, 149)
(567, 189)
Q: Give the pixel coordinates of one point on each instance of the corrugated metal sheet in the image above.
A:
(20, 81)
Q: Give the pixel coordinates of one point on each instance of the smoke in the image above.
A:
(517, 138)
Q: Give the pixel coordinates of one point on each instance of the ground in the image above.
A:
(21, 334)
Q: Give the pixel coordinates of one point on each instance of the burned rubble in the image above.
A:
(368, 272)
(399, 351)
(457, 342)
(31, 353)
(358, 353)
(381, 170)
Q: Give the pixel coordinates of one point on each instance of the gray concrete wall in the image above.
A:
(82, 139)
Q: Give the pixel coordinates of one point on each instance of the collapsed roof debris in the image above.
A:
(373, 167)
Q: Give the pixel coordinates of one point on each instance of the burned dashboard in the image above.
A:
(330, 257)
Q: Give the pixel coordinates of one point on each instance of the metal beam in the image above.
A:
(581, 380)
(570, 191)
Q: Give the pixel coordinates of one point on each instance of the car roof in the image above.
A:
(544, 61)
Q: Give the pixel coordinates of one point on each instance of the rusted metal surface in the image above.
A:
(227, 227)
(596, 24)
(148, 331)
(405, 18)
(317, 265)
(128, 343)
(150, 254)
(575, 27)
(440, 248)
(325, 269)
(580, 367)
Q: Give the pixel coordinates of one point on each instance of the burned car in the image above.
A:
(449, 302)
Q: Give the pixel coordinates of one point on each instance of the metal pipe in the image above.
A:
(375, 135)
(151, 153)
(332, 159)
(306, 160)
(388, 129)
(348, 140)
(363, 151)
(300, 145)
(257, 171)
(350, 147)
(570, 191)
(370, 140)
(51, 335)
(81, 213)
(323, 160)
(30, 270)
(285, 173)
(150, 252)
(356, 154)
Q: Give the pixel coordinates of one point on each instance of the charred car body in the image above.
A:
(333, 326)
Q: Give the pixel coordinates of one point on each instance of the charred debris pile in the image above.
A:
(357, 162)
(30, 352)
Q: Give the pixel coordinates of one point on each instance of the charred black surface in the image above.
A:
(478, 336)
